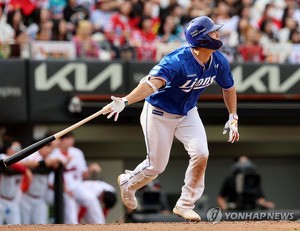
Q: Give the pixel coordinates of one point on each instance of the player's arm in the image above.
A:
(230, 99)
(143, 90)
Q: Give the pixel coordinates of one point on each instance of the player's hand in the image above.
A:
(232, 127)
(115, 107)
(94, 168)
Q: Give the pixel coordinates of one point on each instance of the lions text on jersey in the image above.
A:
(186, 78)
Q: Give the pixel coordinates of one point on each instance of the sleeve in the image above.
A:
(18, 167)
(166, 69)
(224, 78)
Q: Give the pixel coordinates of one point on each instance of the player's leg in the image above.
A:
(70, 206)
(13, 215)
(40, 212)
(70, 210)
(192, 134)
(26, 209)
(158, 130)
(2, 212)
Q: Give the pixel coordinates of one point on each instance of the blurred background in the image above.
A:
(62, 60)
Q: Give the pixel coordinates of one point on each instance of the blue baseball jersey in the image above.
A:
(186, 79)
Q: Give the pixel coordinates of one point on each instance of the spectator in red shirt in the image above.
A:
(269, 14)
(143, 39)
(120, 23)
(121, 27)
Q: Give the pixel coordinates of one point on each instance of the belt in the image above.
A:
(7, 198)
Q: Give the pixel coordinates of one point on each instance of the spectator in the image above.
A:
(45, 32)
(86, 46)
(76, 170)
(269, 34)
(34, 208)
(74, 13)
(270, 15)
(22, 48)
(41, 18)
(143, 40)
(293, 6)
(174, 9)
(88, 4)
(7, 33)
(242, 189)
(19, 46)
(120, 22)
(222, 16)
(233, 6)
(294, 36)
(10, 184)
(151, 9)
(137, 8)
(288, 24)
(56, 8)
(239, 35)
(101, 16)
(197, 8)
(246, 12)
(60, 31)
(15, 20)
(26, 6)
(249, 49)
(167, 31)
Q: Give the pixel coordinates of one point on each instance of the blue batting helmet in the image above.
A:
(197, 30)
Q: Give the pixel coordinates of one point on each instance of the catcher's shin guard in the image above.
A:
(139, 180)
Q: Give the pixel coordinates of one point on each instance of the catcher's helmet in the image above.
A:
(197, 30)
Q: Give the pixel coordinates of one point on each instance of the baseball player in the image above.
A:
(10, 185)
(171, 91)
(76, 170)
(34, 208)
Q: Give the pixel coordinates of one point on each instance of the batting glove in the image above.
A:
(116, 106)
(232, 127)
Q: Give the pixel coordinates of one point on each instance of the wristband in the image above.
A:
(234, 116)
(125, 101)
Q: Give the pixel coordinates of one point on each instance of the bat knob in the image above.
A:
(2, 164)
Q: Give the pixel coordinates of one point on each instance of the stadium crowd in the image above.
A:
(253, 31)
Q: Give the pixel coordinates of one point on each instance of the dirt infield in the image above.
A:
(221, 226)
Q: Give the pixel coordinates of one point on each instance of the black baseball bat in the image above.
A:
(38, 145)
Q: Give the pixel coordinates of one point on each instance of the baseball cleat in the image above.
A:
(127, 196)
(187, 214)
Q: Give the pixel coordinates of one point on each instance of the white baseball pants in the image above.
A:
(159, 129)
